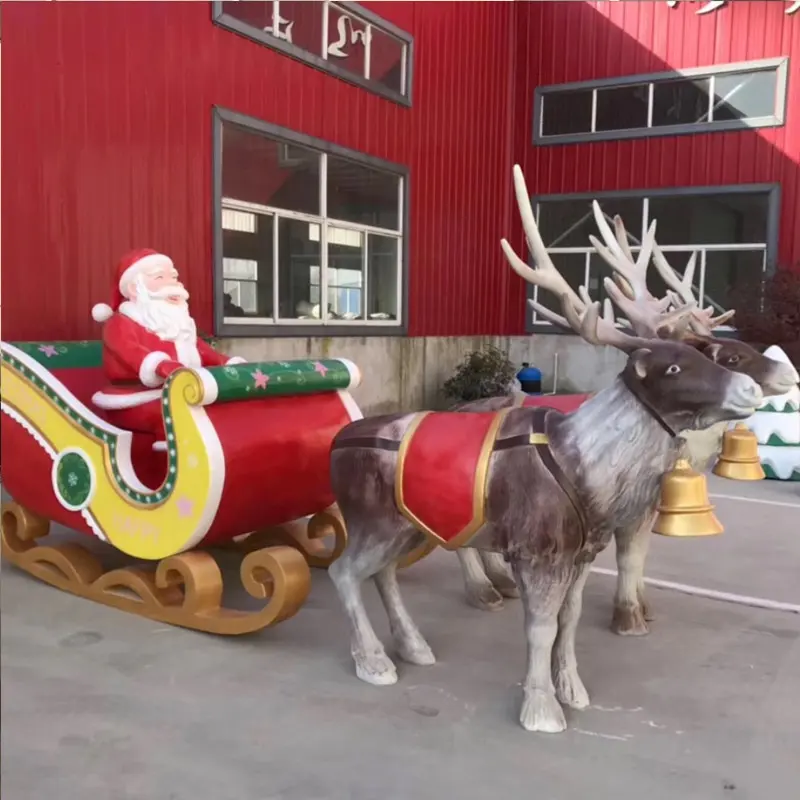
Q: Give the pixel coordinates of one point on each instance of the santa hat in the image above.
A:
(128, 268)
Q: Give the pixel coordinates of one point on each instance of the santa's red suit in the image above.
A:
(137, 361)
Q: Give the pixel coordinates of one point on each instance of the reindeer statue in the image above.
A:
(487, 578)
(548, 490)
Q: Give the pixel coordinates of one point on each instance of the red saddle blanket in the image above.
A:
(565, 403)
(442, 470)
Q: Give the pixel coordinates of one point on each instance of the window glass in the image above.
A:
(346, 250)
(257, 169)
(386, 60)
(298, 254)
(569, 223)
(247, 263)
(622, 108)
(727, 272)
(357, 193)
(659, 102)
(348, 39)
(741, 95)
(681, 102)
(567, 112)
(711, 219)
(257, 13)
(273, 232)
(382, 300)
(366, 51)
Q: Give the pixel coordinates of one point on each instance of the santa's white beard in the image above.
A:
(168, 321)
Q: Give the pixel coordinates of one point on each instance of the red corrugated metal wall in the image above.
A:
(107, 146)
(563, 42)
(107, 138)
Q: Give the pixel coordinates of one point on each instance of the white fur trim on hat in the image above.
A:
(101, 312)
(147, 371)
(151, 262)
(236, 360)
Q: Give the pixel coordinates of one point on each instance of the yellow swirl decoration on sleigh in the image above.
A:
(142, 522)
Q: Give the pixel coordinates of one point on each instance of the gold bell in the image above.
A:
(685, 509)
(739, 459)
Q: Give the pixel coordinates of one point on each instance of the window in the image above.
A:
(341, 38)
(308, 234)
(732, 229)
(720, 98)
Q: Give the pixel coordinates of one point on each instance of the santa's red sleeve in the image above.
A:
(213, 358)
(126, 342)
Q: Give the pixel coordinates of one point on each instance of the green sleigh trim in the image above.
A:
(250, 381)
(84, 354)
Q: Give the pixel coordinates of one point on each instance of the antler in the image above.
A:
(701, 321)
(578, 314)
(544, 275)
(648, 315)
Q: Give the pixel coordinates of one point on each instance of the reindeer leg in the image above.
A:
(366, 554)
(629, 614)
(542, 589)
(498, 572)
(411, 645)
(480, 592)
(569, 687)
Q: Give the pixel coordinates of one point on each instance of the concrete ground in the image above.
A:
(98, 705)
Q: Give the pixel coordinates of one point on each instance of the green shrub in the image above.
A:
(482, 373)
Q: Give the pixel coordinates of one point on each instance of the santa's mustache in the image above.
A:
(168, 292)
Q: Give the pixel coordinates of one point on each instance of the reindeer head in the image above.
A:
(685, 388)
(679, 381)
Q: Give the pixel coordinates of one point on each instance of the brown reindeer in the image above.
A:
(549, 490)
(486, 576)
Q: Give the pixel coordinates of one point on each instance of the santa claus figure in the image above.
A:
(148, 334)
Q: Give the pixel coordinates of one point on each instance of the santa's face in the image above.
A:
(161, 282)
(159, 302)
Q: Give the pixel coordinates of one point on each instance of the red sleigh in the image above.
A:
(246, 457)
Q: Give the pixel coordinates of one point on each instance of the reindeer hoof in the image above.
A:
(375, 668)
(505, 584)
(416, 652)
(629, 621)
(485, 597)
(541, 713)
(570, 690)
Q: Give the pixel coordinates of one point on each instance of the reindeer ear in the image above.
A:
(640, 359)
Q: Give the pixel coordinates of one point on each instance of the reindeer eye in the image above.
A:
(733, 360)
(673, 369)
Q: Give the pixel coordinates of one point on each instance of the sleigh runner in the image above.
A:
(245, 453)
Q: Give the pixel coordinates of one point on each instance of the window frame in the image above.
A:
(778, 65)
(772, 190)
(301, 328)
(230, 23)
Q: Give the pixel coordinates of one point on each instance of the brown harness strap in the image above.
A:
(373, 442)
(537, 437)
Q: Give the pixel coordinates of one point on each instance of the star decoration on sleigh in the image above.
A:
(260, 379)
